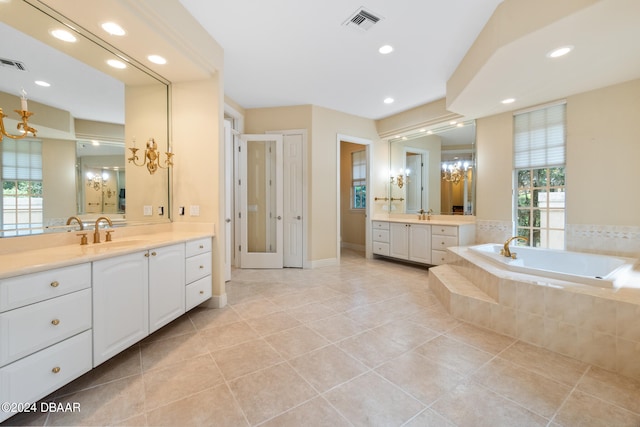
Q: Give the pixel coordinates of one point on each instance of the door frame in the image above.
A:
(367, 223)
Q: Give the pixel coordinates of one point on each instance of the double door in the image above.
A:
(270, 189)
(410, 241)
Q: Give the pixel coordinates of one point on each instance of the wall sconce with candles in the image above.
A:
(454, 172)
(403, 175)
(97, 181)
(151, 156)
(22, 126)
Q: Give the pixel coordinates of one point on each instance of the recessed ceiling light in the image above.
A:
(508, 101)
(117, 64)
(561, 51)
(157, 59)
(452, 122)
(63, 35)
(422, 130)
(42, 83)
(386, 49)
(113, 29)
(460, 125)
(95, 143)
(388, 100)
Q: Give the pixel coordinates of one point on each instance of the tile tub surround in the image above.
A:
(359, 344)
(598, 326)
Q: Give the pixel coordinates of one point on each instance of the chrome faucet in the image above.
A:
(75, 218)
(96, 233)
(505, 251)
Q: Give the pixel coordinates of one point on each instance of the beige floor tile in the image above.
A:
(435, 317)
(406, 333)
(423, 379)
(256, 308)
(453, 354)
(136, 421)
(317, 412)
(227, 335)
(429, 418)
(35, 419)
(370, 400)
(483, 339)
(103, 405)
(371, 348)
(336, 328)
(165, 385)
(614, 388)
(159, 354)
(582, 409)
(211, 407)
(469, 404)
(180, 326)
(295, 342)
(270, 392)
(544, 362)
(327, 367)
(204, 318)
(272, 323)
(535, 392)
(311, 312)
(245, 358)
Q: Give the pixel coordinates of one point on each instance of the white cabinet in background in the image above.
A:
(410, 241)
(198, 272)
(120, 304)
(446, 236)
(381, 238)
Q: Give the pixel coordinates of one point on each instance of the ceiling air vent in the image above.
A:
(362, 19)
(12, 64)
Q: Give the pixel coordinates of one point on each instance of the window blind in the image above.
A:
(21, 159)
(539, 138)
(359, 167)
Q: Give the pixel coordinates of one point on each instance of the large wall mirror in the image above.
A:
(433, 169)
(86, 118)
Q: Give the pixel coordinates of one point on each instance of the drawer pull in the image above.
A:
(202, 266)
(55, 284)
(55, 322)
(146, 254)
(153, 253)
(442, 243)
(201, 246)
(201, 292)
(56, 370)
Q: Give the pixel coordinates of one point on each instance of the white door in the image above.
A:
(228, 196)
(261, 201)
(293, 205)
(420, 243)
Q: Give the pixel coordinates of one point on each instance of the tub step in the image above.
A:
(450, 286)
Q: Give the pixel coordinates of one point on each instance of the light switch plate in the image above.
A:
(194, 210)
(148, 210)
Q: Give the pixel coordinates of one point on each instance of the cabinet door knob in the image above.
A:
(146, 254)
(55, 322)
(55, 284)
(202, 266)
(153, 253)
(56, 370)
(202, 246)
(201, 292)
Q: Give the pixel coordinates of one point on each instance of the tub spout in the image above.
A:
(505, 251)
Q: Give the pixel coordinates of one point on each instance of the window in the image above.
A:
(359, 179)
(21, 186)
(539, 166)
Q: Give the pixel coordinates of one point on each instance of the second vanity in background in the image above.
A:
(424, 242)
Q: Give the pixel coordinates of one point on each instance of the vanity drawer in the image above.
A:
(380, 225)
(442, 242)
(445, 230)
(34, 377)
(381, 236)
(19, 291)
(198, 292)
(197, 247)
(440, 257)
(36, 326)
(381, 248)
(198, 267)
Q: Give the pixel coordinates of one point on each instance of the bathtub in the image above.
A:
(588, 269)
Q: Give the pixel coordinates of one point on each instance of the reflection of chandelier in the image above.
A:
(97, 181)
(151, 156)
(400, 179)
(454, 172)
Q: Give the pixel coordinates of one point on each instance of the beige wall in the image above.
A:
(602, 148)
(59, 178)
(352, 222)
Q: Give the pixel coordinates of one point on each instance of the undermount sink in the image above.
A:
(122, 243)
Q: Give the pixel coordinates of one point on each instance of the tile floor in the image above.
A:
(361, 344)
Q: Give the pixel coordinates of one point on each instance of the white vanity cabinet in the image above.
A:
(445, 236)
(120, 304)
(135, 295)
(380, 236)
(410, 241)
(198, 272)
(45, 332)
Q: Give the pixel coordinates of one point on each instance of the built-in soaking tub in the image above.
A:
(588, 269)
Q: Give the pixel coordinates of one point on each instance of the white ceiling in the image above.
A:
(293, 52)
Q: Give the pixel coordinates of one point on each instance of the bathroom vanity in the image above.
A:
(420, 241)
(65, 310)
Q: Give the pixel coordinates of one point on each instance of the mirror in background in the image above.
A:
(79, 113)
(432, 169)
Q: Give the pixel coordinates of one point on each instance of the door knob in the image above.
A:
(298, 217)
(228, 220)
(279, 217)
